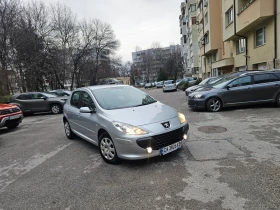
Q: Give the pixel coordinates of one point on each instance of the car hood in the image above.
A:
(142, 115)
(194, 88)
(7, 106)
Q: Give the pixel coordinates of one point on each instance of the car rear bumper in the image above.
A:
(135, 149)
(196, 103)
(169, 88)
(7, 121)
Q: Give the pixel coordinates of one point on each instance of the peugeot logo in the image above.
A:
(166, 124)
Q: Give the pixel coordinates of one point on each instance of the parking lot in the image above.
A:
(230, 161)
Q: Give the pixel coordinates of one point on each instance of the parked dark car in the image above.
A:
(240, 88)
(201, 84)
(60, 93)
(38, 102)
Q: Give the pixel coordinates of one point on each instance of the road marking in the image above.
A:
(8, 172)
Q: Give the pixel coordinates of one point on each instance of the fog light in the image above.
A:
(149, 150)
(185, 136)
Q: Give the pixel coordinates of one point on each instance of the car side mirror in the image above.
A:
(86, 110)
(44, 97)
(228, 87)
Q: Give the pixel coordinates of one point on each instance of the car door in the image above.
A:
(88, 121)
(38, 103)
(239, 91)
(73, 111)
(265, 87)
(25, 102)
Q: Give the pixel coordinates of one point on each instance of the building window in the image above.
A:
(206, 38)
(208, 59)
(260, 37)
(206, 18)
(193, 20)
(240, 46)
(229, 16)
(193, 7)
(185, 39)
(214, 57)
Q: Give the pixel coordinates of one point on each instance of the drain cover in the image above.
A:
(212, 129)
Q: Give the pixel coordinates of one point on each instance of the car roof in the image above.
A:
(97, 87)
(258, 72)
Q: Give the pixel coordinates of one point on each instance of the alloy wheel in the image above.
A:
(215, 105)
(107, 148)
(67, 129)
(55, 109)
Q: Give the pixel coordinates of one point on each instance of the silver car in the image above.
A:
(169, 85)
(124, 122)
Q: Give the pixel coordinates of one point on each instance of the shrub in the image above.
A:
(183, 85)
(198, 81)
(5, 99)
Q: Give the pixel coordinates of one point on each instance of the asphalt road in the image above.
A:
(230, 161)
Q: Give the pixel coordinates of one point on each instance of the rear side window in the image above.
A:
(274, 78)
(75, 99)
(278, 75)
(263, 78)
(24, 97)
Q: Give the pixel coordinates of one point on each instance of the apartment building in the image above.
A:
(150, 61)
(189, 42)
(237, 35)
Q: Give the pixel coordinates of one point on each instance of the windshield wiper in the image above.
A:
(145, 104)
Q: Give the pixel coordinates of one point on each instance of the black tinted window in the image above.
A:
(37, 96)
(277, 74)
(274, 78)
(24, 97)
(243, 81)
(86, 101)
(262, 78)
(75, 100)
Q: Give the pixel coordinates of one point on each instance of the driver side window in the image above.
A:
(75, 99)
(86, 101)
(243, 81)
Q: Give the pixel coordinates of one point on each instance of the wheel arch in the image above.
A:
(211, 97)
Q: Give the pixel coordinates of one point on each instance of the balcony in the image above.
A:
(252, 12)
(223, 63)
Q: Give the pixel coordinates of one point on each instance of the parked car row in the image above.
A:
(236, 89)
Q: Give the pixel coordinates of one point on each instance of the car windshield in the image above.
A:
(49, 95)
(168, 82)
(221, 82)
(121, 97)
(204, 82)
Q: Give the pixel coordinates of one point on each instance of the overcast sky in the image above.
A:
(135, 22)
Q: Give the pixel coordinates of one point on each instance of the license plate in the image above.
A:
(14, 117)
(170, 148)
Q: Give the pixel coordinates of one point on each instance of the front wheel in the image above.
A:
(214, 105)
(69, 133)
(107, 149)
(56, 109)
(278, 100)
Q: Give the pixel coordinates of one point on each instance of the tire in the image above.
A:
(214, 105)
(107, 149)
(56, 109)
(68, 131)
(278, 100)
(13, 126)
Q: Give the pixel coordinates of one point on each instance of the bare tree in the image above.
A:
(105, 42)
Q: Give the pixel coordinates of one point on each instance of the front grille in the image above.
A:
(9, 111)
(167, 139)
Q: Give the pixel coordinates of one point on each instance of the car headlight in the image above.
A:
(198, 96)
(181, 117)
(129, 129)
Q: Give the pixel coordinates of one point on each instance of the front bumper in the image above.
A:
(196, 103)
(135, 148)
(6, 121)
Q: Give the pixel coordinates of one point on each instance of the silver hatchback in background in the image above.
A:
(124, 122)
(169, 85)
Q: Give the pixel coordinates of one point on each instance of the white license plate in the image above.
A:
(14, 117)
(170, 148)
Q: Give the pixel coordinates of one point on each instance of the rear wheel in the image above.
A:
(107, 149)
(214, 105)
(13, 126)
(69, 133)
(56, 109)
(278, 100)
